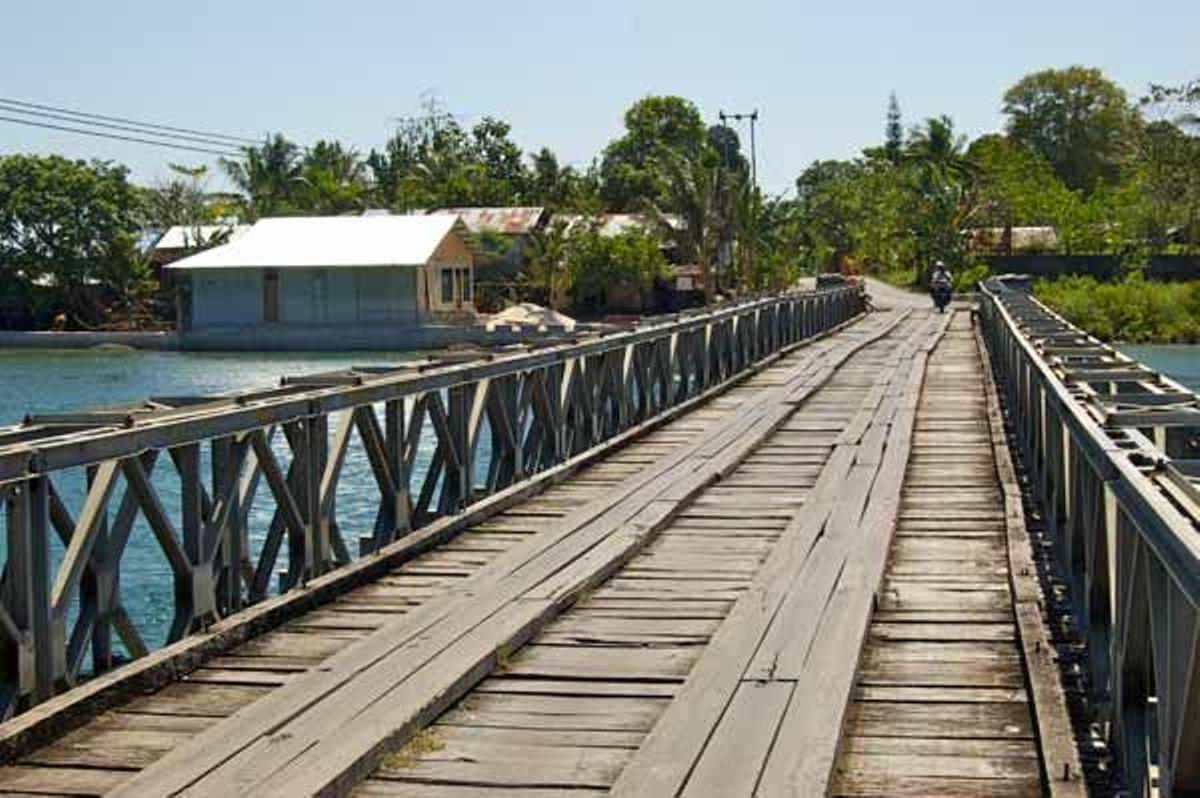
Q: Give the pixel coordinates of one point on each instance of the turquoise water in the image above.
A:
(1181, 362)
(57, 381)
(60, 381)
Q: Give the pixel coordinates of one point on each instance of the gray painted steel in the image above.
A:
(1113, 453)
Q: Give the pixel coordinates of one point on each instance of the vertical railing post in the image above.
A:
(97, 590)
(400, 522)
(40, 661)
(459, 479)
(318, 551)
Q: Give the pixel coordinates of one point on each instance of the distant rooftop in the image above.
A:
(331, 241)
(509, 221)
(193, 236)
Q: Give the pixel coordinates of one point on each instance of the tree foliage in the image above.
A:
(653, 126)
(1077, 119)
(67, 224)
(595, 261)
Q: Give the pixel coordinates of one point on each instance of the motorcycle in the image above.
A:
(941, 296)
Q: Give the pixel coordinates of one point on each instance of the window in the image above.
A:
(467, 288)
(447, 286)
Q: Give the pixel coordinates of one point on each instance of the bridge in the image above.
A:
(814, 543)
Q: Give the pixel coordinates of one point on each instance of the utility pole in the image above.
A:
(752, 117)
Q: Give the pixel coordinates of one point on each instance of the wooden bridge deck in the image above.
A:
(683, 616)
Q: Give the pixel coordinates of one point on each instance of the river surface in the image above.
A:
(54, 381)
(1181, 362)
(60, 381)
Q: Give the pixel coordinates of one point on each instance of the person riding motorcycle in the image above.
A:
(941, 285)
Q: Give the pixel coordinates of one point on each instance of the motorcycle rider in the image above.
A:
(941, 283)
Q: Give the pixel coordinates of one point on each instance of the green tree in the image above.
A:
(694, 209)
(431, 161)
(546, 276)
(69, 224)
(596, 261)
(724, 144)
(893, 131)
(270, 176)
(1078, 120)
(653, 125)
(561, 188)
(181, 200)
(333, 180)
(1017, 187)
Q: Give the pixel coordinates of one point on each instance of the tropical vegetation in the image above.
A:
(1112, 176)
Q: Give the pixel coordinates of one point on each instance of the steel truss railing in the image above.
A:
(438, 439)
(1111, 448)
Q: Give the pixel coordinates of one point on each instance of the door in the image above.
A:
(270, 295)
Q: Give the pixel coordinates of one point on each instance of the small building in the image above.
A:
(182, 240)
(497, 267)
(329, 282)
(1012, 240)
(512, 222)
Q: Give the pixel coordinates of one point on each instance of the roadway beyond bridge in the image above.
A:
(777, 549)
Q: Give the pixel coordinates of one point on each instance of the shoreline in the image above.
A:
(316, 339)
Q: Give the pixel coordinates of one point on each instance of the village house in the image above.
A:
(182, 240)
(503, 238)
(339, 282)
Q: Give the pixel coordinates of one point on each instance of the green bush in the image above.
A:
(967, 280)
(1133, 309)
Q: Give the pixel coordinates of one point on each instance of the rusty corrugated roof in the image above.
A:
(509, 221)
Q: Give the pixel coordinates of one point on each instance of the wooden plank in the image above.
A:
(61, 781)
(321, 761)
(803, 762)
(734, 757)
(486, 765)
(664, 761)
(878, 784)
(940, 766)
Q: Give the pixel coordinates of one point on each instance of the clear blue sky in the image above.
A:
(562, 73)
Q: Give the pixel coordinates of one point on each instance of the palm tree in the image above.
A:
(944, 182)
(696, 213)
(335, 179)
(935, 144)
(269, 175)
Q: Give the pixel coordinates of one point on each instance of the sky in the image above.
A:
(561, 73)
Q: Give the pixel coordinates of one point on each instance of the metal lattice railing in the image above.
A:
(1113, 453)
(232, 489)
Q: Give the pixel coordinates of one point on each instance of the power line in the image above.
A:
(119, 137)
(112, 126)
(148, 125)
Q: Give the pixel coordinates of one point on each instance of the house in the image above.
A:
(182, 240)
(515, 225)
(1011, 240)
(512, 222)
(329, 282)
(499, 262)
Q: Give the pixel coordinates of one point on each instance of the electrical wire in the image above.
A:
(149, 125)
(113, 126)
(118, 137)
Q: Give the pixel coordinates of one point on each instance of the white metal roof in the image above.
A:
(191, 236)
(331, 241)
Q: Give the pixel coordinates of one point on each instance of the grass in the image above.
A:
(1133, 309)
(423, 742)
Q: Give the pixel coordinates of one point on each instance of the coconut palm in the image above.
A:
(270, 175)
(695, 212)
